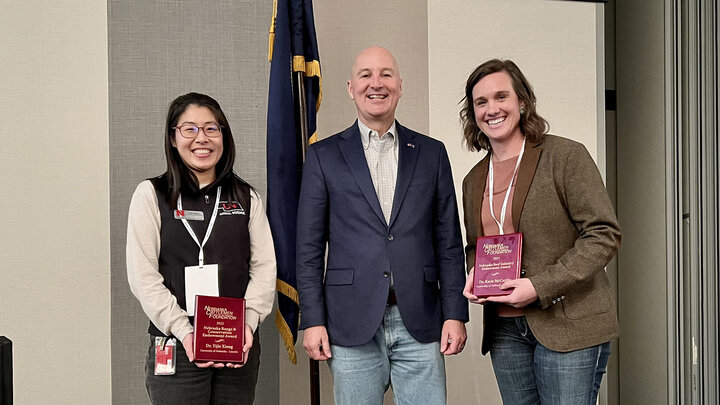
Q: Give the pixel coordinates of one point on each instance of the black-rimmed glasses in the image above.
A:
(191, 131)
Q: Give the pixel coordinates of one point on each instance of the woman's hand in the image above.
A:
(187, 343)
(468, 290)
(523, 295)
(246, 347)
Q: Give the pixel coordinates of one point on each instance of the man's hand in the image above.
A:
(453, 337)
(523, 295)
(317, 343)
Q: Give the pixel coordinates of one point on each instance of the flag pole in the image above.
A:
(304, 137)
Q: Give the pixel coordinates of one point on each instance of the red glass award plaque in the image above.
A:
(219, 329)
(497, 259)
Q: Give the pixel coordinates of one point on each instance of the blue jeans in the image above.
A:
(529, 373)
(193, 385)
(362, 374)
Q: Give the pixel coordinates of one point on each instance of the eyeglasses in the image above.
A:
(191, 131)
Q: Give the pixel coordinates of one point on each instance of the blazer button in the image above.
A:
(386, 274)
(522, 273)
(390, 238)
(554, 302)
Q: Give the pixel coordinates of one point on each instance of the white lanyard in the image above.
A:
(201, 257)
(507, 193)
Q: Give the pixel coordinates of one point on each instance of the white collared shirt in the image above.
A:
(374, 153)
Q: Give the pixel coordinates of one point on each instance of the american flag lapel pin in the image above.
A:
(412, 145)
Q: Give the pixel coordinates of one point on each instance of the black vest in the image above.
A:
(228, 245)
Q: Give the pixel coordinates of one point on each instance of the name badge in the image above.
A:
(164, 356)
(189, 215)
(200, 280)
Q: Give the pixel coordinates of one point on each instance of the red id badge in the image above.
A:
(164, 355)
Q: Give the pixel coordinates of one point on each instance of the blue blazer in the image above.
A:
(421, 246)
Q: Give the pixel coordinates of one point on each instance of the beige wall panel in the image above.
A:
(54, 232)
(344, 28)
(554, 43)
(438, 43)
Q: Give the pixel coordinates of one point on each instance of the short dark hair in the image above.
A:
(532, 125)
(178, 176)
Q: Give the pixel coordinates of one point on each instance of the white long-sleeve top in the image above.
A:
(146, 282)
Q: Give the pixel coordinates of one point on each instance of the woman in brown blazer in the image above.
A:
(549, 339)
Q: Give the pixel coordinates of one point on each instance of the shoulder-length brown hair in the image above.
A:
(532, 125)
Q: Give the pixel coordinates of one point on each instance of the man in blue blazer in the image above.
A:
(381, 197)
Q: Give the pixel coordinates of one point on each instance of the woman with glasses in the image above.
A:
(549, 338)
(198, 216)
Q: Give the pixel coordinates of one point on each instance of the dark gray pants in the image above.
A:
(192, 385)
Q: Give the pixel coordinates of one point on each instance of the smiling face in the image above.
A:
(497, 108)
(201, 153)
(376, 87)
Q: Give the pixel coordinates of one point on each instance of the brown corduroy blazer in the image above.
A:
(570, 232)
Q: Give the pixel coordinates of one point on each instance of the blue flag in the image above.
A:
(293, 48)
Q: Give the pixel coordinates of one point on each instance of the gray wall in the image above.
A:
(642, 280)
(157, 51)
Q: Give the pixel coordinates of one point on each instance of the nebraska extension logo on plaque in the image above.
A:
(219, 329)
(497, 259)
